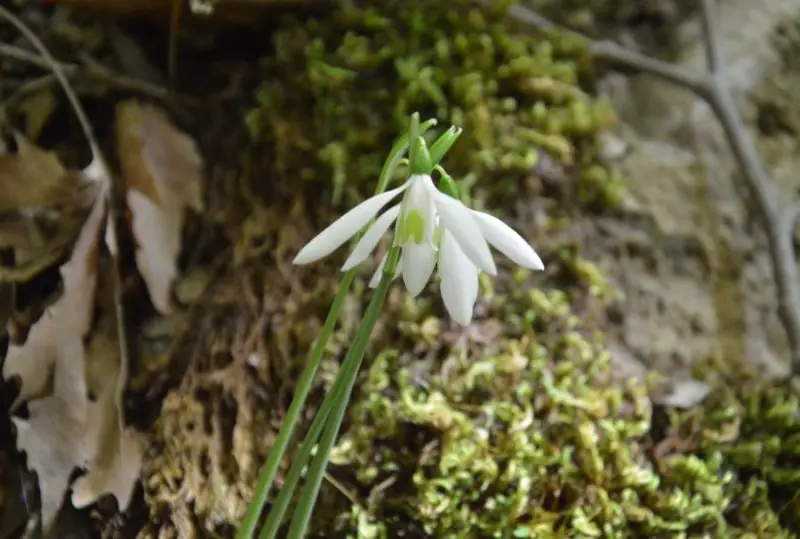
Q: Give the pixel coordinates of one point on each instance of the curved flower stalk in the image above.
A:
(432, 228)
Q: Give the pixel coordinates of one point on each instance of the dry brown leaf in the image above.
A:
(42, 209)
(58, 336)
(115, 453)
(38, 108)
(54, 436)
(34, 177)
(65, 429)
(54, 440)
(162, 170)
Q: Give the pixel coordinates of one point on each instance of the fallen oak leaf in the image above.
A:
(42, 209)
(115, 470)
(162, 172)
(38, 109)
(65, 429)
(54, 439)
(58, 336)
(115, 451)
(54, 435)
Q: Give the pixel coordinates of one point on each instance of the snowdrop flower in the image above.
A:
(431, 227)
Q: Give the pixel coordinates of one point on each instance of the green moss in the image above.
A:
(529, 436)
(338, 91)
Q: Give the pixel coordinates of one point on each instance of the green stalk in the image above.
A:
(278, 509)
(348, 375)
(267, 474)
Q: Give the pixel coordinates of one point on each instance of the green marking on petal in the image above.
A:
(413, 227)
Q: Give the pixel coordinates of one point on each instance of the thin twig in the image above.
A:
(23, 29)
(172, 51)
(712, 87)
(94, 70)
(15, 53)
(342, 489)
(711, 38)
(610, 51)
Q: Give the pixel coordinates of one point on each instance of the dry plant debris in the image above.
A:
(32, 177)
(66, 430)
(42, 208)
(72, 366)
(162, 169)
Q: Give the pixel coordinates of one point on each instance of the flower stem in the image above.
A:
(275, 516)
(340, 399)
(267, 474)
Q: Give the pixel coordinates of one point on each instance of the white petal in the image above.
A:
(345, 227)
(459, 280)
(376, 277)
(418, 262)
(503, 238)
(457, 219)
(369, 240)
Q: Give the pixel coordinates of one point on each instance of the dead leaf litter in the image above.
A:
(70, 367)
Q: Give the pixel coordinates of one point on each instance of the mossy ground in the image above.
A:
(513, 427)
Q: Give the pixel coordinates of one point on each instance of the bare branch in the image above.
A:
(610, 51)
(790, 220)
(10, 51)
(711, 38)
(780, 245)
(22, 28)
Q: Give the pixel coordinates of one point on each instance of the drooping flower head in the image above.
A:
(430, 227)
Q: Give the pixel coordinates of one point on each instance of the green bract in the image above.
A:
(448, 185)
(444, 143)
(420, 159)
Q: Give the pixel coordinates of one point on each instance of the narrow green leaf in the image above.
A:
(348, 375)
(267, 474)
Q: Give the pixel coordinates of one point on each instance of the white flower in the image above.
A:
(431, 226)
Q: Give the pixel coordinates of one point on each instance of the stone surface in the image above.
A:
(689, 251)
